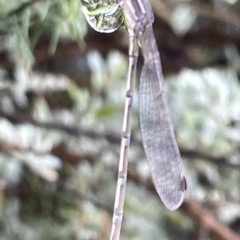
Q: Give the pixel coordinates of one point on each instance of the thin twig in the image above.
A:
(19, 118)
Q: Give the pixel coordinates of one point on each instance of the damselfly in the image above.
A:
(157, 130)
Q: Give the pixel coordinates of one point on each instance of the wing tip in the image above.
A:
(181, 195)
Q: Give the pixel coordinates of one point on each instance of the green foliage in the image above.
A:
(60, 132)
(22, 26)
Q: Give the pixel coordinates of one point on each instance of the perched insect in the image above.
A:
(157, 130)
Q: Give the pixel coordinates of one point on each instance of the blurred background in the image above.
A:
(62, 92)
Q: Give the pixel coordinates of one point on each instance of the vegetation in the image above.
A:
(62, 88)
